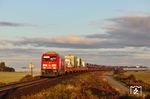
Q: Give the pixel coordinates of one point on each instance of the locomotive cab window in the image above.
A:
(49, 58)
(52, 58)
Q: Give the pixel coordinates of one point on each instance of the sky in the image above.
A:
(108, 32)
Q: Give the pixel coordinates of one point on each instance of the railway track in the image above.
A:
(15, 83)
(5, 90)
(16, 90)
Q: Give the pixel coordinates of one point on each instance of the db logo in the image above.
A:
(136, 90)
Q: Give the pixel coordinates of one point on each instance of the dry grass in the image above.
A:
(84, 86)
(140, 75)
(7, 77)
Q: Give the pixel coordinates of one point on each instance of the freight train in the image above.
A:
(53, 64)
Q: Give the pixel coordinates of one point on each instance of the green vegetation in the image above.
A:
(115, 72)
(4, 68)
(7, 77)
(140, 75)
(84, 86)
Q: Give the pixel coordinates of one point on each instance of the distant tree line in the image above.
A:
(4, 68)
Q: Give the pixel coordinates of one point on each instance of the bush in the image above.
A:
(9, 69)
(118, 72)
(5, 68)
(2, 83)
(148, 96)
(129, 97)
(26, 78)
(131, 77)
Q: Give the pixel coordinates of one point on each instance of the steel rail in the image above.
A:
(20, 84)
(14, 83)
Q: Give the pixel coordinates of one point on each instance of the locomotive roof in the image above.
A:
(51, 52)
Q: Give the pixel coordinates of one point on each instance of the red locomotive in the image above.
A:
(52, 64)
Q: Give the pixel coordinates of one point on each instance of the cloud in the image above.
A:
(13, 24)
(71, 41)
(126, 31)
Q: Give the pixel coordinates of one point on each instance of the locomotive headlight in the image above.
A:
(44, 65)
(53, 65)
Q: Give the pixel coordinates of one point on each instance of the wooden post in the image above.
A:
(31, 66)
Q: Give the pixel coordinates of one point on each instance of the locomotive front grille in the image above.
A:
(49, 72)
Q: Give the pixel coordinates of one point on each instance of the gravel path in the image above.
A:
(117, 85)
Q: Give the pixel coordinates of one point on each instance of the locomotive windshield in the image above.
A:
(49, 58)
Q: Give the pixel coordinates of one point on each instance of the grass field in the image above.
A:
(13, 76)
(141, 75)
